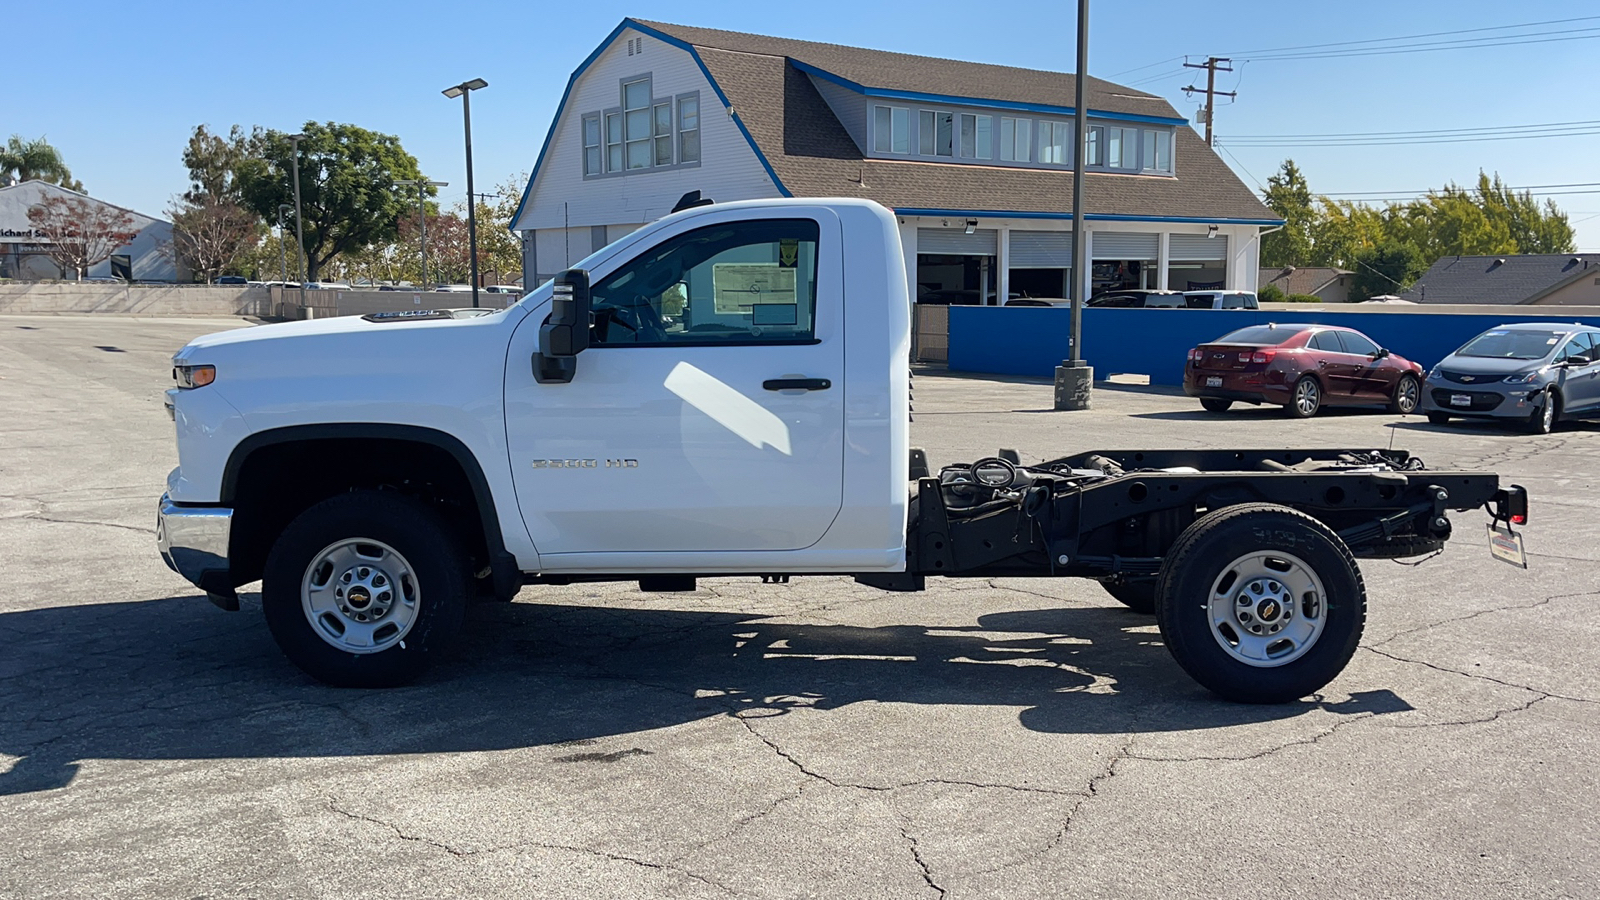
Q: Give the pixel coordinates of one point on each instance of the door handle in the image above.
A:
(797, 384)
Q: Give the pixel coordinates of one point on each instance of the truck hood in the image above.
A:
(332, 328)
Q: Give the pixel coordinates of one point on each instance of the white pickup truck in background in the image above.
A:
(725, 392)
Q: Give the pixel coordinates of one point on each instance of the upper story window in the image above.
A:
(1054, 140)
(977, 136)
(936, 133)
(891, 129)
(642, 132)
(1158, 150)
(1122, 148)
(1016, 139)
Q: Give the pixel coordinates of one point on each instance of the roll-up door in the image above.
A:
(956, 241)
(1125, 245)
(1041, 249)
(1197, 247)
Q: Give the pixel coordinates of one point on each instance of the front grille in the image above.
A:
(1481, 400)
(1468, 377)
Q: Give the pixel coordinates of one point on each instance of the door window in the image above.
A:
(1328, 341)
(1579, 346)
(1357, 343)
(746, 282)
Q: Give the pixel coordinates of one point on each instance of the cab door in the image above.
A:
(1371, 379)
(707, 413)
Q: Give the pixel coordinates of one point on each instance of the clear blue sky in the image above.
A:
(118, 87)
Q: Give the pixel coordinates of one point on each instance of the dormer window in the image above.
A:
(891, 129)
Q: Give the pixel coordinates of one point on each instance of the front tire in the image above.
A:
(365, 589)
(1215, 404)
(1543, 419)
(1306, 399)
(1260, 603)
(1407, 396)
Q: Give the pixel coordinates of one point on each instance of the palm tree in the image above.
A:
(22, 160)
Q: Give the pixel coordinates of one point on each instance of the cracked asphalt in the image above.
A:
(993, 738)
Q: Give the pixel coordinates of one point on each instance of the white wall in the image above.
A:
(729, 169)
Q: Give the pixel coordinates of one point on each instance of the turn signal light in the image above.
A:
(1263, 357)
(194, 376)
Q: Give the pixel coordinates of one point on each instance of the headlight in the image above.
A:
(1523, 377)
(1433, 372)
(189, 377)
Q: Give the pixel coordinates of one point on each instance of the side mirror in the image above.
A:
(1382, 353)
(566, 334)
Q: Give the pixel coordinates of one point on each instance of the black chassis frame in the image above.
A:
(1123, 525)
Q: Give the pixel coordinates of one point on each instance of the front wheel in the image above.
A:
(1260, 603)
(1543, 419)
(1215, 404)
(365, 589)
(1407, 395)
(1306, 399)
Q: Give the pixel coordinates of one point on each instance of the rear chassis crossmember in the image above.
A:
(1122, 525)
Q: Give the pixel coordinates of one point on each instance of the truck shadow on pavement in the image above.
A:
(178, 679)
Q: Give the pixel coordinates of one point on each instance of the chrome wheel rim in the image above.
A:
(1549, 417)
(1409, 393)
(360, 595)
(1267, 609)
(1306, 397)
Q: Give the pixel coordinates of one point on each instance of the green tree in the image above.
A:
(22, 160)
(213, 162)
(1387, 268)
(347, 186)
(1534, 228)
(1289, 195)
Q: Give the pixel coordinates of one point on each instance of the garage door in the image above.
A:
(956, 241)
(1124, 245)
(1197, 247)
(1041, 249)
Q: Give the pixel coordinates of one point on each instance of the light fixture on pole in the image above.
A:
(972, 226)
(422, 217)
(283, 265)
(464, 91)
(299, 229)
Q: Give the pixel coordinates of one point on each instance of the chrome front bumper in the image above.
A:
(193, 541)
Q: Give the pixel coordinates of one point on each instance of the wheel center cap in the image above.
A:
(358, 598)
(1268, 610)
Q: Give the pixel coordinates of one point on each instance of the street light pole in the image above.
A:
(299, 229)
(422, 217)
(283, 264)
(464, 91)
(1074, 378)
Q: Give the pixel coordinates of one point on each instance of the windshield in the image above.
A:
(1260, 334)
(1512, 344)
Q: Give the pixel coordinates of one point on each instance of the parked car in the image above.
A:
(503, 289)
(1301, 368)
(454, 288)
(1220, 300)
(232, 279)
(1039, 301)
(1537, 372)
(327, 286)
(1137, 299)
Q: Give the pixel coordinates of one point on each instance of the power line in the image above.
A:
(1416, 141)
(1425, 48)
(1521, 187)
(1150, 66)
(1413, 36)
(1479, 128)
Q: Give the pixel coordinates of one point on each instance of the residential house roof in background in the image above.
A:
(812, 155)
(1300, 279)
(1509, 279)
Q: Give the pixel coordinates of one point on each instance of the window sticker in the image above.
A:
(739, 286)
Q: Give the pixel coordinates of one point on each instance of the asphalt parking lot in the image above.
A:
(1004, 738)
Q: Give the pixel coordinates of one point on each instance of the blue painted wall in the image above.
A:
(1156, 342)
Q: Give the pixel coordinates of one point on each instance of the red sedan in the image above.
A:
(1301, 368)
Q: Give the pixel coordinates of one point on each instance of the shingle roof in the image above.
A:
(1300, 280)
(813, 155)
(1509, 279)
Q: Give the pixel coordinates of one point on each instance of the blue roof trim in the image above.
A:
(977, 101)
(589, 60)
(1092, 217)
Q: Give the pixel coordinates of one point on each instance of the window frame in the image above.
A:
(1020, 130)
(1055, 139)
(698, 130)
(598, 146)
(660, 250)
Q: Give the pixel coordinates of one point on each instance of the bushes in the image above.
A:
(1270, 294)
(1303, 298)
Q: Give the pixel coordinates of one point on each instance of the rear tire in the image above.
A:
(1137, 594)
(1438, 418)
(1407, 395)
(365, 589)
(1306, 398)
(1248, 619)
(1215, 404)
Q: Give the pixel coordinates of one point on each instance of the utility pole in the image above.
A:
(422, 184)
(1212, 67)
(1074, 377)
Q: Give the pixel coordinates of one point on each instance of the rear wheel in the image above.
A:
(1137, 594)
(1260, 603)
(365, 589)
(1407, 395)
(1215, 404)
(1543, 419)
(1438, 418)
(1306, 399)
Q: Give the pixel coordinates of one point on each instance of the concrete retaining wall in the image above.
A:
(33, 298)
(323, 304)
(1031, 340)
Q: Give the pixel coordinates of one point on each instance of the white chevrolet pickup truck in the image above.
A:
(726, 392)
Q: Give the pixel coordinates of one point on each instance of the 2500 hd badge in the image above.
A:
(584, 464)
